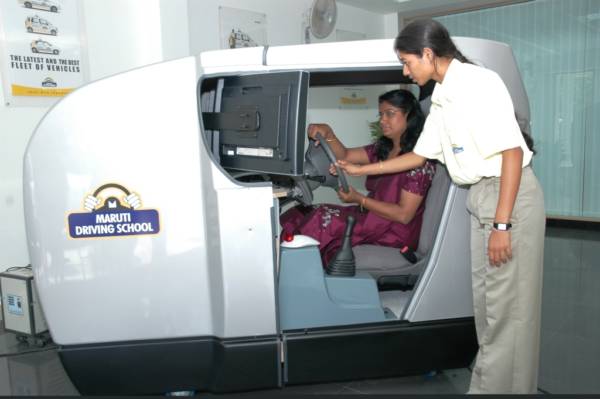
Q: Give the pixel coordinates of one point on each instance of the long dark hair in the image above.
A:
(529, 141)
(423, 33)
(415, 119)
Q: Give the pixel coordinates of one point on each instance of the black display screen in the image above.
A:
(262, 122)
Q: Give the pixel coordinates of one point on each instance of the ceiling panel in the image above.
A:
(426, 7)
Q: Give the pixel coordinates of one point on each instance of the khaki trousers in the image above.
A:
(507, 299)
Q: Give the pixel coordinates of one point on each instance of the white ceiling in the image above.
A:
(426, 7)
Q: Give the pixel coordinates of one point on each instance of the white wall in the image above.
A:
(125, 34)
(284, 21)
(16, 126)
(391, 27)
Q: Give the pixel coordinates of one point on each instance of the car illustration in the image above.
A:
(238, 39)
(46, 5)
(35, 24)
(49, 82)
(218, 300)
(42, 46)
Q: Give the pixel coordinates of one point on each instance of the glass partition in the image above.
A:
(557, 46)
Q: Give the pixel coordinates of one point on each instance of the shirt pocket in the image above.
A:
(462, 148)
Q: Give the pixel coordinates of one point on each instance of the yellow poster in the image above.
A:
(42, 54)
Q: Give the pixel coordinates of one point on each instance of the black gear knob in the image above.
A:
(344, 264)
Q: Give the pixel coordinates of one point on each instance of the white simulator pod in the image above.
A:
(152, 205)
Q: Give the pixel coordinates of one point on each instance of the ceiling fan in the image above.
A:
(321, 19)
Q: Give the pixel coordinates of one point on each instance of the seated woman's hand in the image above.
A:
(322, 128)
(352, 196)
(332, 170)
(350, 168)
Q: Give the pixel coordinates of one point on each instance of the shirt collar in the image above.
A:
(445, 91)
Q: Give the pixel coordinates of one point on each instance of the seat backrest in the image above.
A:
(434, 207)
(382, 261)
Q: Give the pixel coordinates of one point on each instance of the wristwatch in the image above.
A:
(502, 226)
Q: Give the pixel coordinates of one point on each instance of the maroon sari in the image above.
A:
(326, 222)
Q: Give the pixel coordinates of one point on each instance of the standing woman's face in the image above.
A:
(419, 69)
(392, 120)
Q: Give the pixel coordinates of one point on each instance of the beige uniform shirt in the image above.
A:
(471, 121)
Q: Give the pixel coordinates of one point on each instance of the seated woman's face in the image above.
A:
(392, 120)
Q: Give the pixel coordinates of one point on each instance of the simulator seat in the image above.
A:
(386, 264)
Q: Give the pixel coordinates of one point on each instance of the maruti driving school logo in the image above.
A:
(112, 211)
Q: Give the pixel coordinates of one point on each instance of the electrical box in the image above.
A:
(20, 305)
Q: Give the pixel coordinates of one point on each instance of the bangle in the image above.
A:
(330, 140)
(362, 204)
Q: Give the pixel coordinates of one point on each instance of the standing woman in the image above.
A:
(472, 129)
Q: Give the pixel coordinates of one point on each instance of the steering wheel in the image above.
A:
(343, 181)
(317, 161)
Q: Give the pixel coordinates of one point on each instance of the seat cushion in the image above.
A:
(384, 261)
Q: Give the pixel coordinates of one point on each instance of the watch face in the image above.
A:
(502, 226)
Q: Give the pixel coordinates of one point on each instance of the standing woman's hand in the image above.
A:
(499, 247)
(499, 243)
(351, 169)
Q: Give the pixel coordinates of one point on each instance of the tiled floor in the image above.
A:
(449, 382)
(570, 344)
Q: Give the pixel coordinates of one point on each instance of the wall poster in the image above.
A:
(41, 50)
(241, 28)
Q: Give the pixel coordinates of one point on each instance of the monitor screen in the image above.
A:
(261, 122)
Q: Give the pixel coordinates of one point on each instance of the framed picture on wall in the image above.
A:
(42, 52)
(242, 28)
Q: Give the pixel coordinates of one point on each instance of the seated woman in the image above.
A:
(391, 213)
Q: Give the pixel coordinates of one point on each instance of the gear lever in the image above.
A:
(343, 263)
